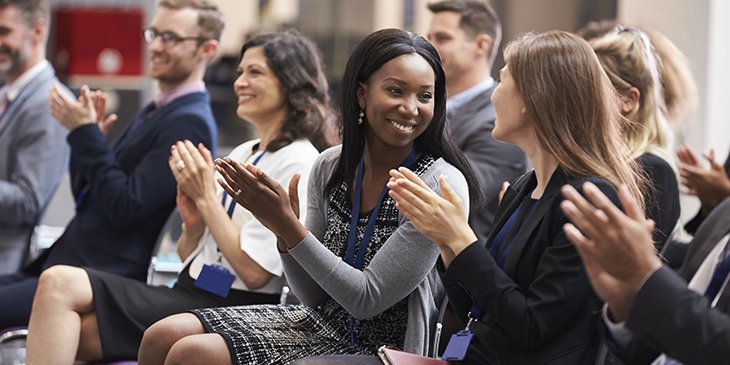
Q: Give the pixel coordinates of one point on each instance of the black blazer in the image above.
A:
(131, 190)
(667, 317)
(540, 309)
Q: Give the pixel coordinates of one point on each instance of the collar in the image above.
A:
(456, 101)
(163, 99)
(12, 90)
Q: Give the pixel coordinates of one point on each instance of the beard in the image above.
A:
(16, 61)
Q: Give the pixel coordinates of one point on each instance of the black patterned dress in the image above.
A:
(276, 334)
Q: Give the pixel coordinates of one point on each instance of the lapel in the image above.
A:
(521, 240)
(29, 91)
(466, 113)
(511, 200)
(715, 226)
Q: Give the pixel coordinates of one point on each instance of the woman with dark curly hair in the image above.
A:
(230, 257)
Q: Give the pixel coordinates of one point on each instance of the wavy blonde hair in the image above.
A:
(574, 107)
(628, 57)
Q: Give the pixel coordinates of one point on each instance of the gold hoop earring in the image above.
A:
(360, 115)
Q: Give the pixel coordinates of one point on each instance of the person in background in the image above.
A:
(523, 295)
(91, 315)
(33, 153)
(365, 275)
(627, 56)
(467, 34)
(652, 314)
(125, 193)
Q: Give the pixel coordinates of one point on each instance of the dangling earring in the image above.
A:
(360, 115)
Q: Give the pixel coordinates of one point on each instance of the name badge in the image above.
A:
(215, 279)
(458, 344)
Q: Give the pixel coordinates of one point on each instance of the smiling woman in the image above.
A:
(363, 272)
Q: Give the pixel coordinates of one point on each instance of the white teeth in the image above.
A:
(245, 97)
(401, 127)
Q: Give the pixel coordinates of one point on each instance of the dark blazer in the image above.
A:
(493, 162)
(670, 318)
(540, 309)
(33, 157)
(131, 190)
(663, 204)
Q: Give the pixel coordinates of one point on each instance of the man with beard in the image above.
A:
(33, 153)
(125, 193)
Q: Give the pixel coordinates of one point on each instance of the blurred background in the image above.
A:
(99, 42)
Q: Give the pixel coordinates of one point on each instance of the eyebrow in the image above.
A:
(393, 78)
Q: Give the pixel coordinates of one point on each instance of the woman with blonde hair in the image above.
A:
(523, 295)
(631, 64)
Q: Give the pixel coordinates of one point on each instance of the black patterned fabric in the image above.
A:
(271, 334)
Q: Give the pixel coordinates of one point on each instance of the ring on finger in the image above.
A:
(180, 165)
(237, 193)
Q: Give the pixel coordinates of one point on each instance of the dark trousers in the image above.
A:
(16, 298)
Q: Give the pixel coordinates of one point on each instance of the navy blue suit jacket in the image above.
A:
(130, 189)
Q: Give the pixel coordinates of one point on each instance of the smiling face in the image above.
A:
(398, 101)
(512, 123)
(15, 42)
(260, 98)
(173, 64)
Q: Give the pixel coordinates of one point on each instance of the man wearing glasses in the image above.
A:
(124, 193)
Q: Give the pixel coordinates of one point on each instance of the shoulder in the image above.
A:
(327, 160)
(441, 167)
(655, 166)
(602, 184)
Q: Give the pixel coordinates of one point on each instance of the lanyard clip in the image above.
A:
(471, 320)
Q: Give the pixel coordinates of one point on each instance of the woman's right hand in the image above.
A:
(193, 171)
(440, 218)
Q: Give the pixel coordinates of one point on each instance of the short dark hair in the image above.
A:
(476, 17)
(210, 18)
(369, 56)
(31, 10)
(297, 64)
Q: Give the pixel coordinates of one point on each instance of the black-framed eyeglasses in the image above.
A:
(169, 39)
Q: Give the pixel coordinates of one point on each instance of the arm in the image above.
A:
(197, 183)
(672, 319)
(530, 316)
(38, 158)
(130, 194)
(394, 272)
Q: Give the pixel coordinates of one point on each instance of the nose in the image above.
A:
(241, 82)
(409, 106)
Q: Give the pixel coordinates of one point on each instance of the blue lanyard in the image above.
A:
(233, 201)
(359, 260)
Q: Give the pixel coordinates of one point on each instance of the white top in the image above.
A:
(12, 90)
(256, 240)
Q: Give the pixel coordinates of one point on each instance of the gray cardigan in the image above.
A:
(404, 266)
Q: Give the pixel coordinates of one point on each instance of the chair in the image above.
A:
(165, 264)
(60, 211)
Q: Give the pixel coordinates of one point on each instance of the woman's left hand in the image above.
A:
(193, 170)
(265, 198)
(440, 218)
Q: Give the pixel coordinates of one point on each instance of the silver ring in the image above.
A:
(237, 193)
(180, 165)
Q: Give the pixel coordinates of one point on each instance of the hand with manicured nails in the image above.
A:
(440, 218)
(265, 198)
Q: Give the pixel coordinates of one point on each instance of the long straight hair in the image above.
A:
(574, 107)
(372, 53)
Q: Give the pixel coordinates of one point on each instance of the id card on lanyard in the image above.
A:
(358, 260)
(214, 278)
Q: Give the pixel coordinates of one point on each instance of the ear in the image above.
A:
(40, 29)
(484, 44)
(362, 91)
(209, 49)
(629, 99)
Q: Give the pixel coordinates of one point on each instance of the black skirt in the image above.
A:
(125, 308)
